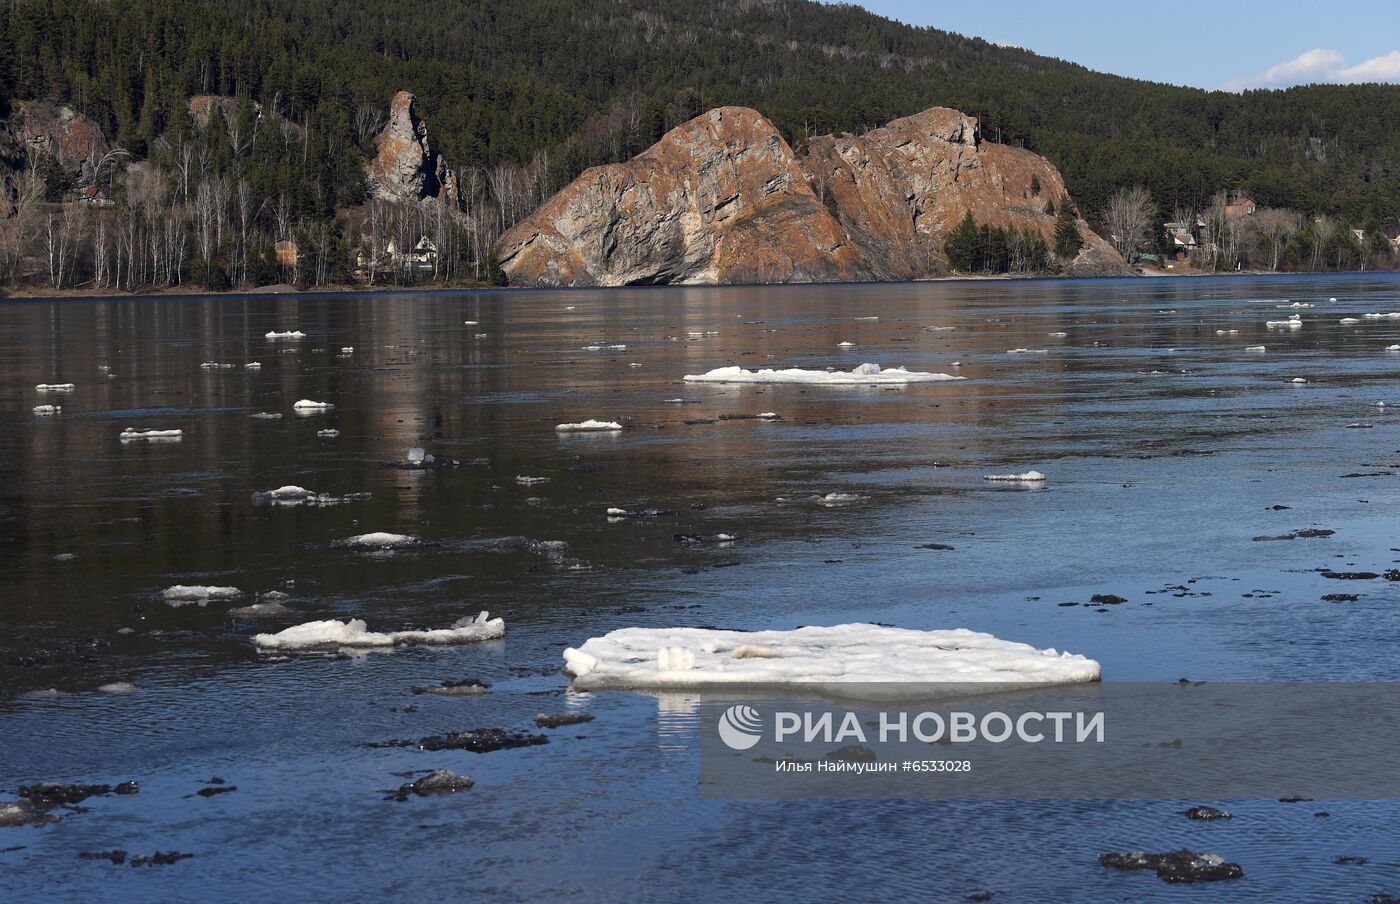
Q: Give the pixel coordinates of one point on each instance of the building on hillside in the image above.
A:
(1239, 208)
(1393, 234)
(286, 252)
(1181, 241)
(92, 196)
(421, 258)
(1360, 237)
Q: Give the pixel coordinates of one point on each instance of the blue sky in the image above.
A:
(1230, 44)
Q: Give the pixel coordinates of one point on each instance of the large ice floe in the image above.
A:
(864, 375)
(354, 633)
(589, 426)
(304, 406)
(859, 660)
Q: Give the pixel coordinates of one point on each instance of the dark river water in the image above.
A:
(1167, 447)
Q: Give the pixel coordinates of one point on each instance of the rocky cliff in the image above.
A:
(898, 190)
(405, 166)
(719, 199)
(74, 141)
(723, 199)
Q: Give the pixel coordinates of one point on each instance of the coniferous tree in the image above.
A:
(1067, 238)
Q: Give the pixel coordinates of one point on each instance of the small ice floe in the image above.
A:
(469, 323)
(525, 481)
(253, 365)
(266, 415)
(845, 345)
(198, 594)
(48, 410)
(701, 334)
(634, 364)
(1392, 348)
(266, 609)
(1255, 348)
(864, 375)
(419, 459)
(831, 500)
(1297, 304)
(287, 334)
(471, 687)
(1027, 477)
(1298, 380)
(347, 349)
(306, 406)
(55, 387)
(117, 687)
(1350, 320)
(377, 540)
(479, 336)
(1027, 351)
(589, 426)
(354, 633)
(1294, 322)
(604, 348)
(865, 318)
(1058, 335)
(1392, 315)
(939, 329)
(614, 513)
(291, 495)
(1333, 300)
(830, 659)
(1176, 866)
(131, 434)
(215, 365)
(769, 416)
(331, 433)
(1227, 332)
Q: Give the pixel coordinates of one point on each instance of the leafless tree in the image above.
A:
(1129, 218)
(369, 121)
(1276, 226)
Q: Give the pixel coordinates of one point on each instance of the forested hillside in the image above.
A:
(570, 83)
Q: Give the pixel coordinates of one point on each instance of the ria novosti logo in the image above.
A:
(740, 727)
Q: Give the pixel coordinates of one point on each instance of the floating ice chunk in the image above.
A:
(1027, 351)
(1028, 477)
(604, 348)
(865, 374)
(131, 434)
(1059, 335)
(845, 345)
(1227, 332)
(253, 365)
(347, 349)
(294, 495)
(47, 410)
(417, 456)
(1333, 299)
(1254, 348)
(1294, 322)
(354, 633)
(286, 493)
(184, 594)
(768, 416)
(940, 329)
(287, 334)
(117, 687)
(1392, 348)
(266, 415)
(1299, 304)
(834, 659)
(469, 323)
(328, 434)
(260, 610)
(304, 405)
(1349, 320)
(865, 318)
(529, 481)
(378, 540)
(1393, 315)
(834, 499)
(214, 365)
(1298, 380)
(55, 387)
(588, 426)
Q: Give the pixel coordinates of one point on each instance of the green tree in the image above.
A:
(960, 245)
(1067, 238)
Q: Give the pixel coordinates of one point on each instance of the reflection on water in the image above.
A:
(1166, 445)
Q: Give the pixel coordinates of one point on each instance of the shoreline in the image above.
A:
(284, 290)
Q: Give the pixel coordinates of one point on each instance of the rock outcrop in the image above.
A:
(42, 129)
(901, 188)
(406, 167)
(724, 199)
(719, 199)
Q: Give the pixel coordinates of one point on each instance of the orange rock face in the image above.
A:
(62, 132)
(900, 189)
(723, 199)
(719, 199)
(405, 166)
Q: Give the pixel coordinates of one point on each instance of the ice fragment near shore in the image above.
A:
(865, 374)
(829, 657)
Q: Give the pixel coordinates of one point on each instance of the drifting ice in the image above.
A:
(589, 425)
(1028, 477)
(55, 387)
(183, 594)
(44, 410)
(1294, 322)
(354, 633)
(288, 334)
(827, 657)
(378, 540)
(866, 374)
(309, 405)
(130, 434)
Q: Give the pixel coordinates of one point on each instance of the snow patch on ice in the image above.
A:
(355, 633)
(864, 375)
(826, 657)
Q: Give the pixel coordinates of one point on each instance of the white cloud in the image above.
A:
(1321, 65)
